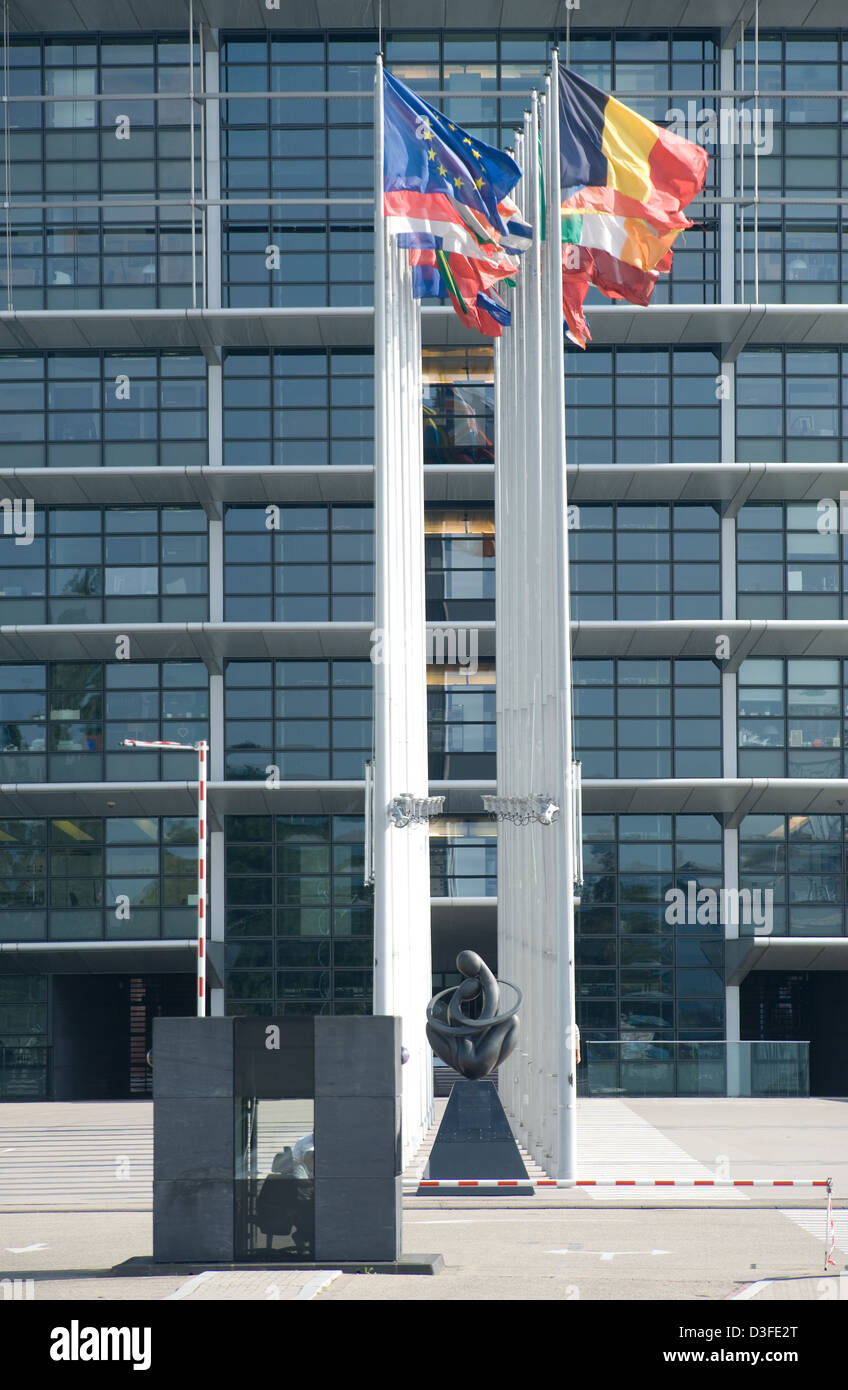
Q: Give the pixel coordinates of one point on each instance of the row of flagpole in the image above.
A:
(535, 862)
(535, 870)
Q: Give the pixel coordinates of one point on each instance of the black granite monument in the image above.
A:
(276, 1140)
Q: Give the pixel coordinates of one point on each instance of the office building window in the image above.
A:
(115, 175)
(458, 405)
(791, 561)
(788, 405)
(461, 721)
(637, 719)
(463, 858)
(299, 920)
(298, 408)
(306, 719)
(459, 559)
(791, 717)
(645, 971)
(111, 410)
(801, 155)
(645, 562)
(637, 406)
(64, 721)
(299, 564)
(799, 861)
(93, 879)
(106, 564)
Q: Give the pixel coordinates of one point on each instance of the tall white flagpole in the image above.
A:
(402, 948)
(555, 404)
(383, 998)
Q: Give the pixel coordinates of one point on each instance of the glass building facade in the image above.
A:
(187, 536)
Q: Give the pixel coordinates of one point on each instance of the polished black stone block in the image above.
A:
(193, 1138)
(192, 1220)
(274, 1058)
(358, 1057)
(358, 1218)
(192, 1057)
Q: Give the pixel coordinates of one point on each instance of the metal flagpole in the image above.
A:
(202, 750)
(402, 954)
(382, 920)
(566, 1146)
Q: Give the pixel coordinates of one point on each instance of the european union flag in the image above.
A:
(425, 153)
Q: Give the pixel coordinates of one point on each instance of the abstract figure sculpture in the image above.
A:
(472, 1045)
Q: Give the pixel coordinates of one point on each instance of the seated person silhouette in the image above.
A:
(284, 1202)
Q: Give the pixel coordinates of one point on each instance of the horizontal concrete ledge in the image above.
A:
(699, 637)
(406, 1264)
(179, 798)
(209, 642)
(727, 327)
(729, 798)
(215, 643)
(51, 16)
(213, 488)
(729, 484)
(797, 953)
(100, 957)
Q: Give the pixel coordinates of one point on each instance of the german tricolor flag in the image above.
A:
(625, 183)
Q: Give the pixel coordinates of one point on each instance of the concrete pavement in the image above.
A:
(63, 1229)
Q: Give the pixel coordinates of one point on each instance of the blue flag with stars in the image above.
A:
(425, 153)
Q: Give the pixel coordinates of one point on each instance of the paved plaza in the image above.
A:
(76, 1184)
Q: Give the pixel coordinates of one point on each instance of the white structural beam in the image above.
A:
(402, 955)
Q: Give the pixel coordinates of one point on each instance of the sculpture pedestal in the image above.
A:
(475, 1141)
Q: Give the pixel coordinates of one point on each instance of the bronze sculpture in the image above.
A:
(474, 1046)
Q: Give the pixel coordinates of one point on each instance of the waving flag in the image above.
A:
(625, 183)
(446, 198)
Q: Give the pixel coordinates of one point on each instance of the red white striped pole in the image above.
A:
(202, 750)
(414, 1185)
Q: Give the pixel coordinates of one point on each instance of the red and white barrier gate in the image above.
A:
(410, 1186)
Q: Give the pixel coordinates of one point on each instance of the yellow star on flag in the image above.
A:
(478, 183)
(476, 154)
(442, 170)
(457, 183)
(431, 154)
(466, 140)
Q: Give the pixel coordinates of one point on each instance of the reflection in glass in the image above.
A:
(275, 1179)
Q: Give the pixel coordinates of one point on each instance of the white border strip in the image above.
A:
(316, 1285)
(189, 1287)
(751, 1290)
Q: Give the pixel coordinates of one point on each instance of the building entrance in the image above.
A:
(102, 1029)
(809, 1005)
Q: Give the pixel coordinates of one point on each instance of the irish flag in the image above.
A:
(624, 184)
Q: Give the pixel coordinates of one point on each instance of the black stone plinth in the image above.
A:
(475, 1141)
(139, 1266)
